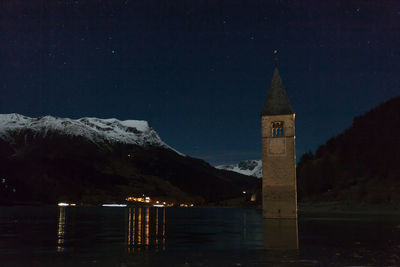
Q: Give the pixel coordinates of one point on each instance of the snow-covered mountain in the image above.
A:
(247, 167)
(90, 160)
(98, 131)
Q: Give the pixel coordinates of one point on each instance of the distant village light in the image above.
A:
(63, 204)
(156, 203)
(114, 205)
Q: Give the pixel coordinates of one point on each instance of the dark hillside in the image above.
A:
(58, 167)
(361, 164)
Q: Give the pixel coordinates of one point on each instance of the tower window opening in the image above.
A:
(277, 128)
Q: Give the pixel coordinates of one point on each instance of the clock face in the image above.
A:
(276, 146)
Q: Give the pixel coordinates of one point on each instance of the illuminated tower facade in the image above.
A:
(279, 193)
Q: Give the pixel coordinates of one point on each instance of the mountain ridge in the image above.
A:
(90, 160)
(94, 129)
(245, 167)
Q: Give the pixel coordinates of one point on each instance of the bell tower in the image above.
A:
(279, 193)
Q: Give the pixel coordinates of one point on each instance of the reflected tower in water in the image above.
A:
(280, 234)
(146, 228)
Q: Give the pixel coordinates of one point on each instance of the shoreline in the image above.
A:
(304, 208)
(347, 208)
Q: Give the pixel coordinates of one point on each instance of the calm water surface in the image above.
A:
(100, 236)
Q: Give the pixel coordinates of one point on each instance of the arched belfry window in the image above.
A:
(277, 128)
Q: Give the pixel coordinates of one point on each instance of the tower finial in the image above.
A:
(276, 58)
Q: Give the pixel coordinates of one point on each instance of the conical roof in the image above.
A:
(277, 102)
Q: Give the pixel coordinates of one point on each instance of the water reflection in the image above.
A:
(146, 228)
(280, 234)
(147, 225)
(62, 219)
(139, 239)
(163, 229)
(202, 236)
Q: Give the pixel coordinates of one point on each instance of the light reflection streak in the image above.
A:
(163, 228)
(129, 230)
(139, 226)
(156, 228)
(133, 227)
(61, 229)
(147, 231)
(147, 226)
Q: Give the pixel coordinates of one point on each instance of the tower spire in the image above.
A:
(277, 102)
(276, 58)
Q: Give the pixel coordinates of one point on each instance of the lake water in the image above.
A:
(101, 236)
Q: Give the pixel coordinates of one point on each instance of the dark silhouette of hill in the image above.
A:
(56, 167)
(362, 164)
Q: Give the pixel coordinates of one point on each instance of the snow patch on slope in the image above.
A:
(96, 130)
(247, 167)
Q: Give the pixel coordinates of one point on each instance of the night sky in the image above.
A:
(199, 70)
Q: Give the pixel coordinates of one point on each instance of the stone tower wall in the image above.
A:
(279, 168)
